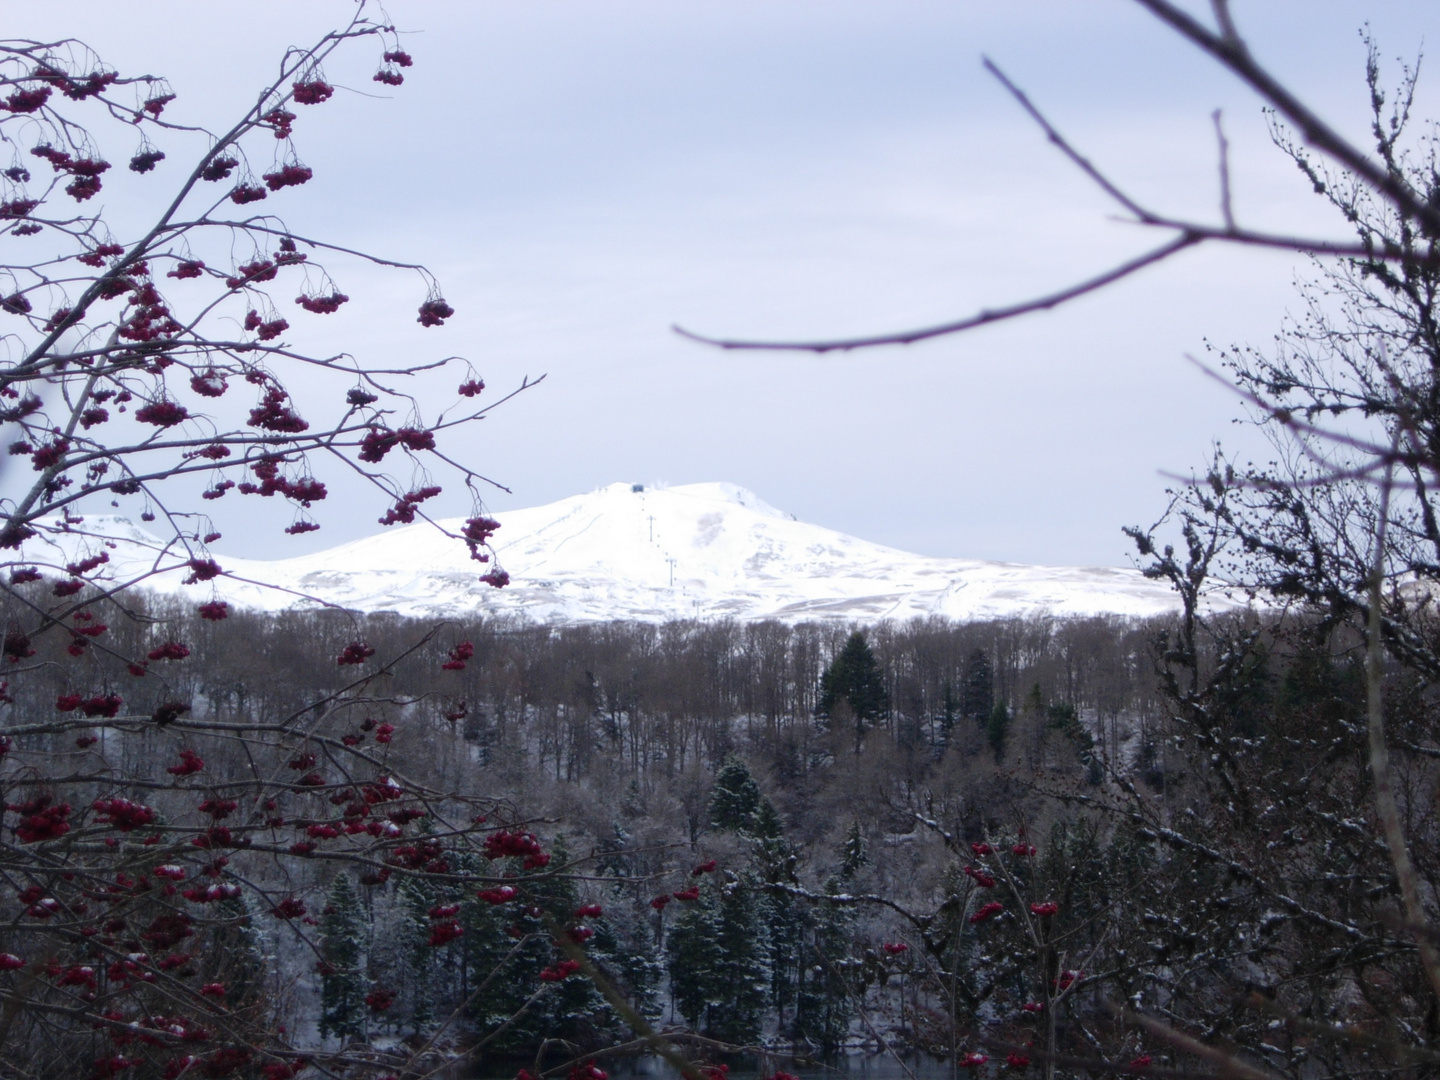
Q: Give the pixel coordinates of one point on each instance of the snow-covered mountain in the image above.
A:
(642, 553)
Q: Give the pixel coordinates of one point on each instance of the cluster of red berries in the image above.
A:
(86, 171)
(275, 414)
(146, 160)
(211, 894)
(219, 168)
(241, 194)
(265, 330)
(152, 319)
(281, 120)
(84, 566)
(322, 305)
(458, 655)
(209, 383)
(170, 650)
(434, 312)
(187, 268)
(895, 948)
(378, 442)
(202, 570)
(502, 895)
(442, 933)
(357, 652)
(26, 101)
(982, 879)
(560, 971)
(49, 454)
(1045, 910)
(506, 844)
(76, 89)
(251, 272)
(479, 529)
(288, 176)
(122, 814)
(162, 413)
(380, 999)
(41, 818)
(14, 209)
(190, 763)
(403, 512)
(988, 911)
(312, 92)
(215, 610)
(219, 808)
(106, 705)
(97, 257)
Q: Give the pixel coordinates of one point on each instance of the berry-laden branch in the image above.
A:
(164, 857)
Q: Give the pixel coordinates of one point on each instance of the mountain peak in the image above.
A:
(648, 553)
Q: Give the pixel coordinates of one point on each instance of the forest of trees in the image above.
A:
(940, 836)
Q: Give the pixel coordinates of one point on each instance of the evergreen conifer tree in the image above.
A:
(235, 956)
(998, 728)
(735, 799)
(691, 952)
(977, 701)
(741, 966)
(824, 1005)
(572, 1009)
(414, 898)
(854, 677)
(624, 949)
(852, 852)
(342, 985)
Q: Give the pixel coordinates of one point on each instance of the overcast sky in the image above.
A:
(583, 174)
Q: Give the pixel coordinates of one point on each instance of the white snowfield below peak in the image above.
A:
(633, 552)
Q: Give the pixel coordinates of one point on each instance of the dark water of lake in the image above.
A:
(849, 1067)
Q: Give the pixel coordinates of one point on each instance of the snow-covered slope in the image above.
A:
(652, 554)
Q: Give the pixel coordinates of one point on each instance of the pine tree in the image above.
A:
(998, 728)
(342, 984)
(977, 701)
(691, 952)
(624, 949)
(741, 966)
(735, 799)
(852, 852)
(485, 950)
(572, 1009)
(854, 677)
(414, 897)
(234, 955)
(947, 716)
(825, 1004)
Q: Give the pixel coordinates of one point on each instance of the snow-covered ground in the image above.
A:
(626, 552)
